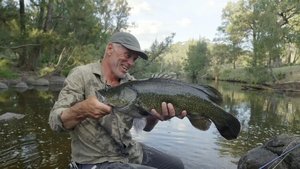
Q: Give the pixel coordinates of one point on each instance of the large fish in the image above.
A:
(137, 98)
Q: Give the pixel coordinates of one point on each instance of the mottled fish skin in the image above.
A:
(137, 98)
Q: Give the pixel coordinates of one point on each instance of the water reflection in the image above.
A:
(262, 115)
(29, 142)
(23, 151)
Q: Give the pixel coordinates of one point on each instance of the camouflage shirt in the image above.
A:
(95, 141)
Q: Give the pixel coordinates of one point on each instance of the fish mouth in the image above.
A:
(101, 97)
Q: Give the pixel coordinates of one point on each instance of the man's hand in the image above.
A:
(90, 107)
(167, 112)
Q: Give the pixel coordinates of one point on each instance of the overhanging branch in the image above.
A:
(20, 46)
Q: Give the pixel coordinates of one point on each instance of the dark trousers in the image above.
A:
(152, 159)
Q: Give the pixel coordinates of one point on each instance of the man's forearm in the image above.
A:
(72, 116)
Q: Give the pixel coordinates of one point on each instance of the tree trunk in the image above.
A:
(234, 65)
(23, 53)
(48, 21)
(40, 21)
(22, 17)
(255, 54)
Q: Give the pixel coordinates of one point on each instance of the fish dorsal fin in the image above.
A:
(212, 94)
(169, 75)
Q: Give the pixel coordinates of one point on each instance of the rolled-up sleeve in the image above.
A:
(71, 93)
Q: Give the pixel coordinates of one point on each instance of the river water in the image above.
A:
(30, 143)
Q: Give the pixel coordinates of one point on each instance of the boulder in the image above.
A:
(34, 81)
(282, 151)
(11, 82)
(10, 116)
(21, 85)
(56, 80)
(3, 86)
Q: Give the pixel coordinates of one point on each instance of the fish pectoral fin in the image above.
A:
(141, 109)
(200, 122)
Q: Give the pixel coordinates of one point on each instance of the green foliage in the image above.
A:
(259, 75)
(84, 54)
(5, 72)
(72, 57)
(155, 63)
(266, 25)
(281, 75)
(246, 75)
(198, 59)
(8, 19)
(46, 70)
(238, 75)
(174, 59)
(220, 54)
(51, 26)
(288, 73)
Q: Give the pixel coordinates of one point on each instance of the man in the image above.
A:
(101, 139)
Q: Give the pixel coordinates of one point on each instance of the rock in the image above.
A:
(272, 149)
(10, 116)
(40, 82)
(37, 81)
(256, 158)
(56, 80)
(21, 85)
(3, 86)
(11, 82)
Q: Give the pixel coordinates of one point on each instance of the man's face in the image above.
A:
(121, 59)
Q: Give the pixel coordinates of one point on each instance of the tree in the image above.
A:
(9, 24)
(39, 31)
(154, 63)
(266, 25)
(173, 60)
(220, 53)
(198, 59)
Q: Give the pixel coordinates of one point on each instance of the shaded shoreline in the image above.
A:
(29, 80)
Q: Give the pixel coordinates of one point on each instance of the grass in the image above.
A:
(7, 74)
(246, 75)
(290, 73)
(5, 71)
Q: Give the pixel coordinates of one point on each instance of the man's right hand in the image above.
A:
(90, 107)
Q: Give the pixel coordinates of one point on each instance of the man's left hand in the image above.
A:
(167, 112)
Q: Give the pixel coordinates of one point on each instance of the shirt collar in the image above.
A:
(96, 68)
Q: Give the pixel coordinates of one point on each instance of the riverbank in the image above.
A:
(244, 75)
(24, 80)
(288, 79)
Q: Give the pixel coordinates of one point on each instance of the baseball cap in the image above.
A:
(128, 41)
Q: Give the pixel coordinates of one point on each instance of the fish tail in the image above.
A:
(228, 126)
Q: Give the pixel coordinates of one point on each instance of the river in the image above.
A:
(30, 143)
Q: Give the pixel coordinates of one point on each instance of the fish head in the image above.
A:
(117, 97)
